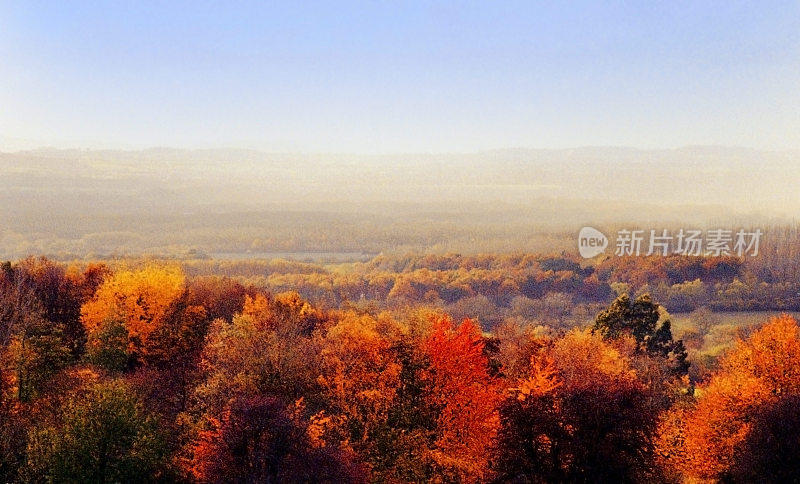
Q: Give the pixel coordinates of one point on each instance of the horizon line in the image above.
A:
(52, 148)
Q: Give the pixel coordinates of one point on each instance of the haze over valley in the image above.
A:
(170, 202)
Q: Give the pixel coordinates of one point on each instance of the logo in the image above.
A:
(591, 242)
(687, 242)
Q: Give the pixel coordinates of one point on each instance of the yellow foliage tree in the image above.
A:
(139, 299)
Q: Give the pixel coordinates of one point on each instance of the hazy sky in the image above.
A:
(393, 76)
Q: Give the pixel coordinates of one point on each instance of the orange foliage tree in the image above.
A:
(702, 440)
(581, 414)
(360, 376)
(258, 353)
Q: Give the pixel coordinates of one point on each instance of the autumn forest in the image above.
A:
(492, 368)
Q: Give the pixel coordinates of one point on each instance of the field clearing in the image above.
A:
(723, 334)
(681, 322)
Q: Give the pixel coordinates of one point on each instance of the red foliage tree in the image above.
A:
(467, 396)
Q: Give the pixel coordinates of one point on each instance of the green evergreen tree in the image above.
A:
(640, 319)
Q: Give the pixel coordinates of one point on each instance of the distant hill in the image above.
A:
(77, 202)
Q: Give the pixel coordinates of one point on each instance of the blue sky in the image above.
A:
(392, 76)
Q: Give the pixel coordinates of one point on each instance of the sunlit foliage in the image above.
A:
(467, 397)
(736, 408)
(138, 299)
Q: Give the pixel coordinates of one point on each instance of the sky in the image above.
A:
(393, 77)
